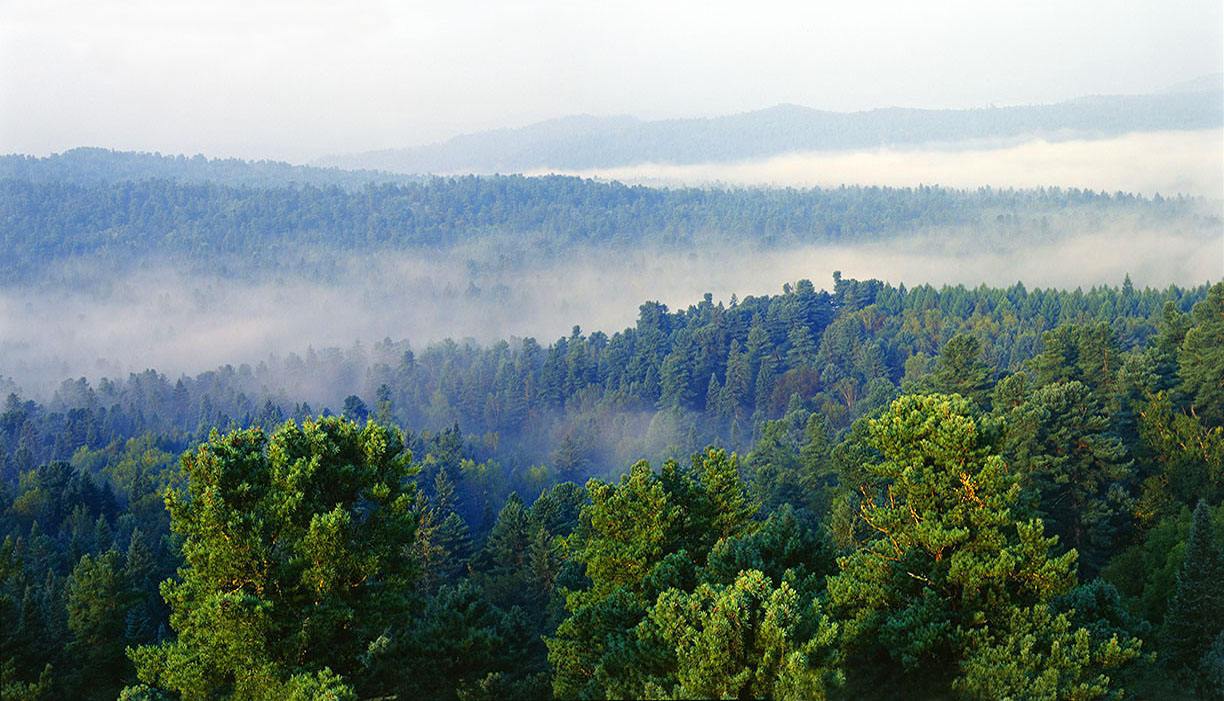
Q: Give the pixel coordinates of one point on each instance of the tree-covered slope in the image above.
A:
(1036, 525)
(42, 222)
(89, 166)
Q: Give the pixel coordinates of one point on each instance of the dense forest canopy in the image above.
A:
(863, 491)
(207, 223)
(859, 493)
(922, 398)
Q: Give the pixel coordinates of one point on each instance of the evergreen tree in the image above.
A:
(1061, 442)
(944, 556)
(1201, 357)
(1037, 654)
(97, 599)
(801, 350)
(1211, 671)
(749, 639)
(294, 559)
(960, 370)
(1196, 612)
(674, 381)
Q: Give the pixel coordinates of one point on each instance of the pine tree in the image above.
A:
(294, 559)
(444, 493)
(1211, 671)
(455, 540)
(1060, 440)
(944, 554)
(748, 639)
(505, 548)
(140, 572)
(1038, 654)
(802, 347)
(674, 386)
(725, 493)
(713, 393)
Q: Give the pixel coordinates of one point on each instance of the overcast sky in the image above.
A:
(298, 79)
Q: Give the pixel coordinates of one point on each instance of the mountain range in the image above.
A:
(585, 141)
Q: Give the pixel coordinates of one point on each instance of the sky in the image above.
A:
(295, 80)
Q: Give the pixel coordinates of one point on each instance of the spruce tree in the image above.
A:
(1196, 613)
(960, 370)
(97, 600)
(1201, 357)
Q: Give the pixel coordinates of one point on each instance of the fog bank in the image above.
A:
(1165, 163)
(175, 322)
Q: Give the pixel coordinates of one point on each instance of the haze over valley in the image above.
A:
(546, 350)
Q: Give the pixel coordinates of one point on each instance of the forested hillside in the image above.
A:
(286, 226)
(881, 356)
(869, 492)
(97, 165)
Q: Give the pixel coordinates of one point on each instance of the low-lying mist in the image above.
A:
(1149, 163)
(177, 322)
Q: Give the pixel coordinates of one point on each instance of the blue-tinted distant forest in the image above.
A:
(202, 212)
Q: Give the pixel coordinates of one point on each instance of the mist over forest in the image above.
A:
(123, 262)
(794, 403)
(160, 316)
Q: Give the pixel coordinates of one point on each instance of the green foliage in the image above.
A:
(12, 687)
(1037, 655)
(782, 548)
(749, 639)
(1146, 572)
(1211, 670)
(944, 556)
(1188, 458)
(96, 601)
(308, 567)
(193, 220)
(626, 529)
(455, 643)
(1201, 357)
(1060, 440)
(960, 370)
(790, 464)
(637, 539)
(1196, 611)
(294, 547)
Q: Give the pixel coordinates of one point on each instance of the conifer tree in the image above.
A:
(294, 547)
(944, 556)
(1201, 357)
(748, 639)
(1060, 440)
(97, 601)
(959, 369)
(1196, 613)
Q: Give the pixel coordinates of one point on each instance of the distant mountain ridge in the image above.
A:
(585, 141)
(89, 165)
